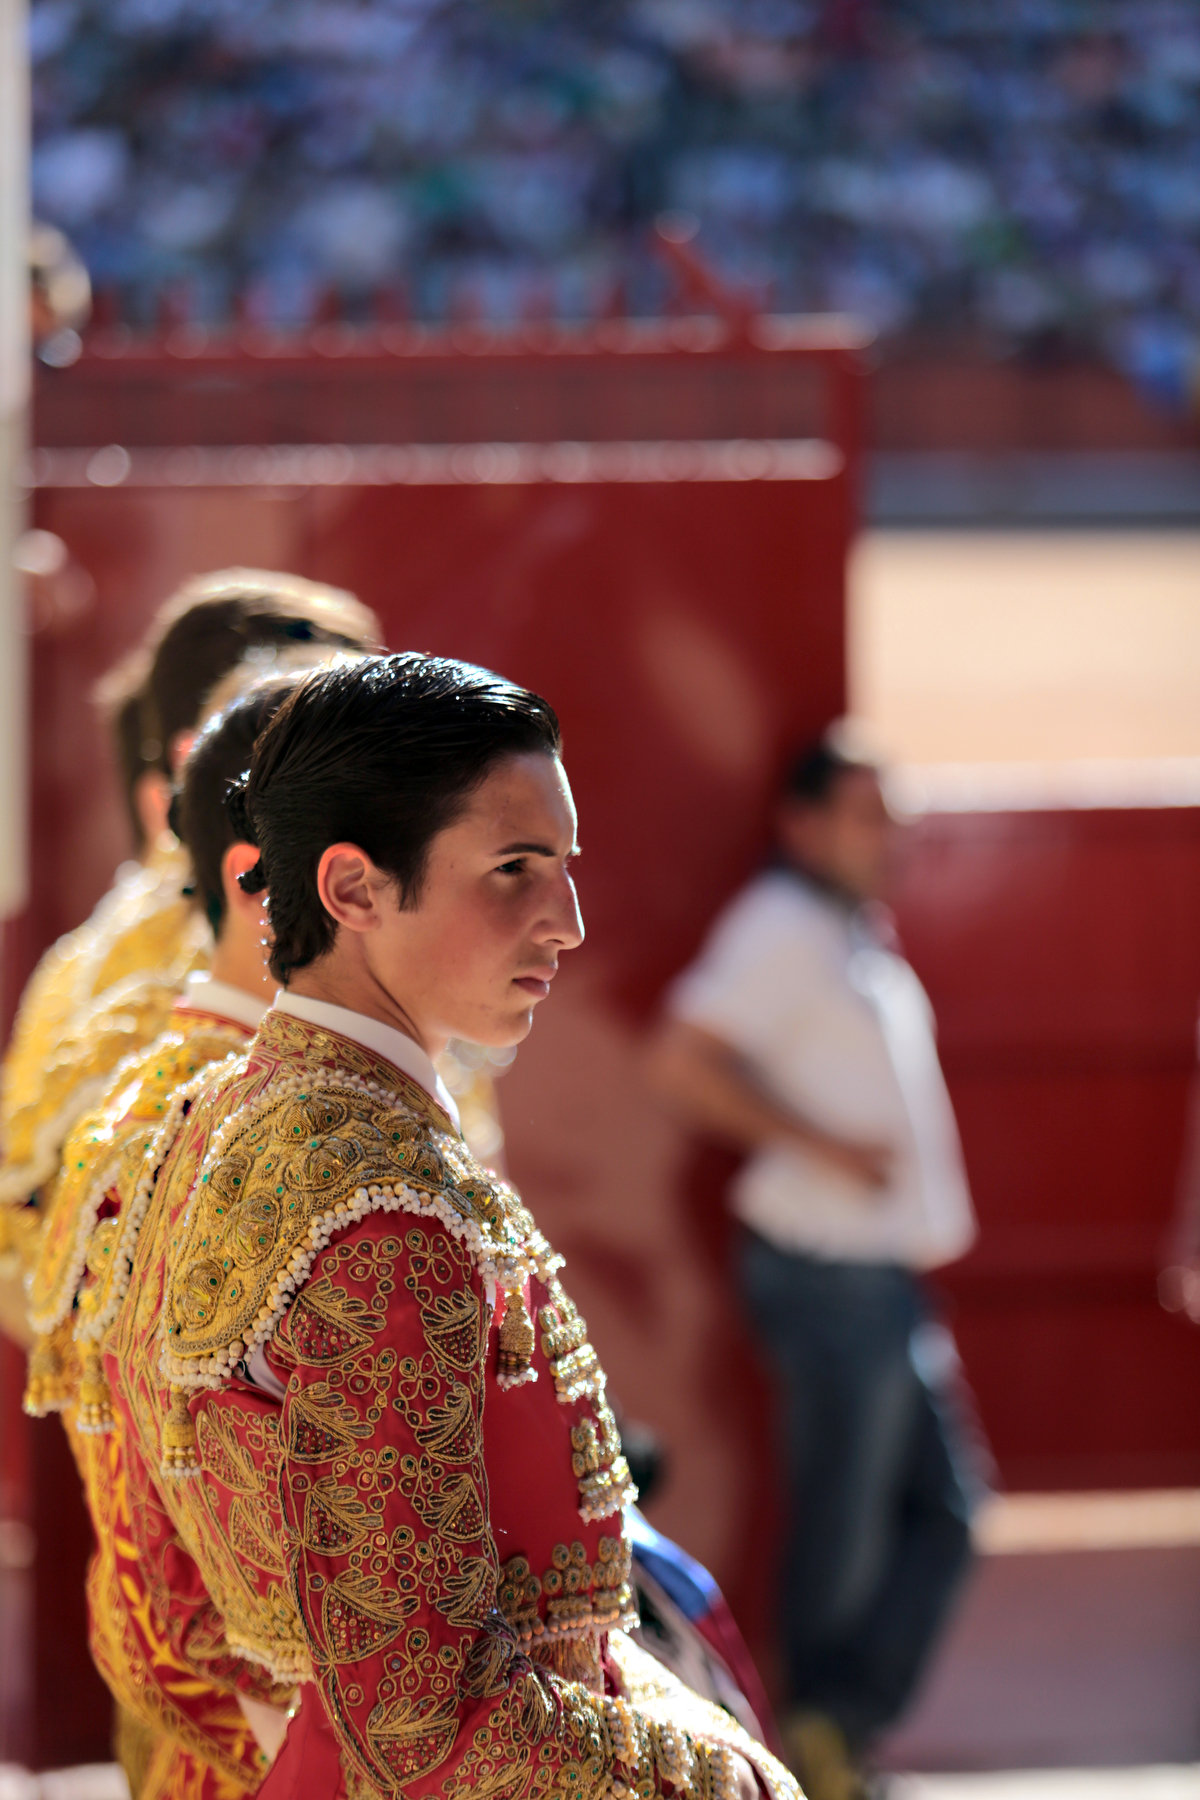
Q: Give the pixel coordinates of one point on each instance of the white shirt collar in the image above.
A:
(202, 993)
(394, 1046)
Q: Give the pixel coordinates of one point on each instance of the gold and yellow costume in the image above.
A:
(350, 1378)
(179, 1685)
(76, 1104)
(103, 991)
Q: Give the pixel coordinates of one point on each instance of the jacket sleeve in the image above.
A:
(393, 1562)
(181, 1696)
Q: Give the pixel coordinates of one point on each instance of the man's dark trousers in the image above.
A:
(879, 1479)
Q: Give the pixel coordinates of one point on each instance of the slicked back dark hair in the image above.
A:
(817, 770)
(216, 621)
(383, 753)
(125, 722)
(220, 756)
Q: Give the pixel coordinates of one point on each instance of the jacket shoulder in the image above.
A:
(286, 1173)
(95, 1158)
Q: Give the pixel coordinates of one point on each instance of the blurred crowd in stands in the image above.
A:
(1018, 176)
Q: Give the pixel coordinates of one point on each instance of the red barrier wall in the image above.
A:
(687, 621)
(688, 630)
(1059, 948)
(1062, 956)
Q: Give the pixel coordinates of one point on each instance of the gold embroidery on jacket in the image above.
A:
(283, 1176)
(582, 1602)
(387, 1595)
(101, 1153)
(605, 1484)
(103, 992)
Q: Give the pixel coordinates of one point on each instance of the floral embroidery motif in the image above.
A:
(100, 1155)
(178, 1693)
(285, 1175)
(199, 1725)
(372, 1292)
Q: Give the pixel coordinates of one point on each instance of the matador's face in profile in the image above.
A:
(479, 948)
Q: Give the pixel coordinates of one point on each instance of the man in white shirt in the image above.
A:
(801, 1036)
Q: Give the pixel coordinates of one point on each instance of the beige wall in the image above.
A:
(978, 647)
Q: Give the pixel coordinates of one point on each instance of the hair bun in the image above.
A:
(254, 880)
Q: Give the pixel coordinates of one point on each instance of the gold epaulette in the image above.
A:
(51, 1002)
(102, 1153)
(99, 994)
(75, 1075)
(291, 1170)
(144, 925)
(171, 940)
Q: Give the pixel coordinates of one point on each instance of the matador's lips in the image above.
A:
(537, 985)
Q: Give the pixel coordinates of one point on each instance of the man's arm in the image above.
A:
(711, 1087)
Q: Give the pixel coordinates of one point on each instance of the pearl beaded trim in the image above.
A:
(94, 1322)
(652, 1753)
(45, 1322)
(285, 1664)
(212, 1371)
(618, 1492)
(19, 1180)
(507, 1382)
(506, 1264)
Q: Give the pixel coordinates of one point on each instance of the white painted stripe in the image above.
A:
(1038, 1524)
(407, 465)
(1070, 785)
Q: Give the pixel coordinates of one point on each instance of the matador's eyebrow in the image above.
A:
(535, 850)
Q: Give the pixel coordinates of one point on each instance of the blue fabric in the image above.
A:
(688, 1582)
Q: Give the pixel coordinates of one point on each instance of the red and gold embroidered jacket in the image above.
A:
(180, 1685)
(397, 1486)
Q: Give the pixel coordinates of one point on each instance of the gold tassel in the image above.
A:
(516, 1341)
(574, 1658)
(46, 1386)
(95, 1396)
(179, 1438)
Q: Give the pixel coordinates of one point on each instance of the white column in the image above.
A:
(14, 397)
